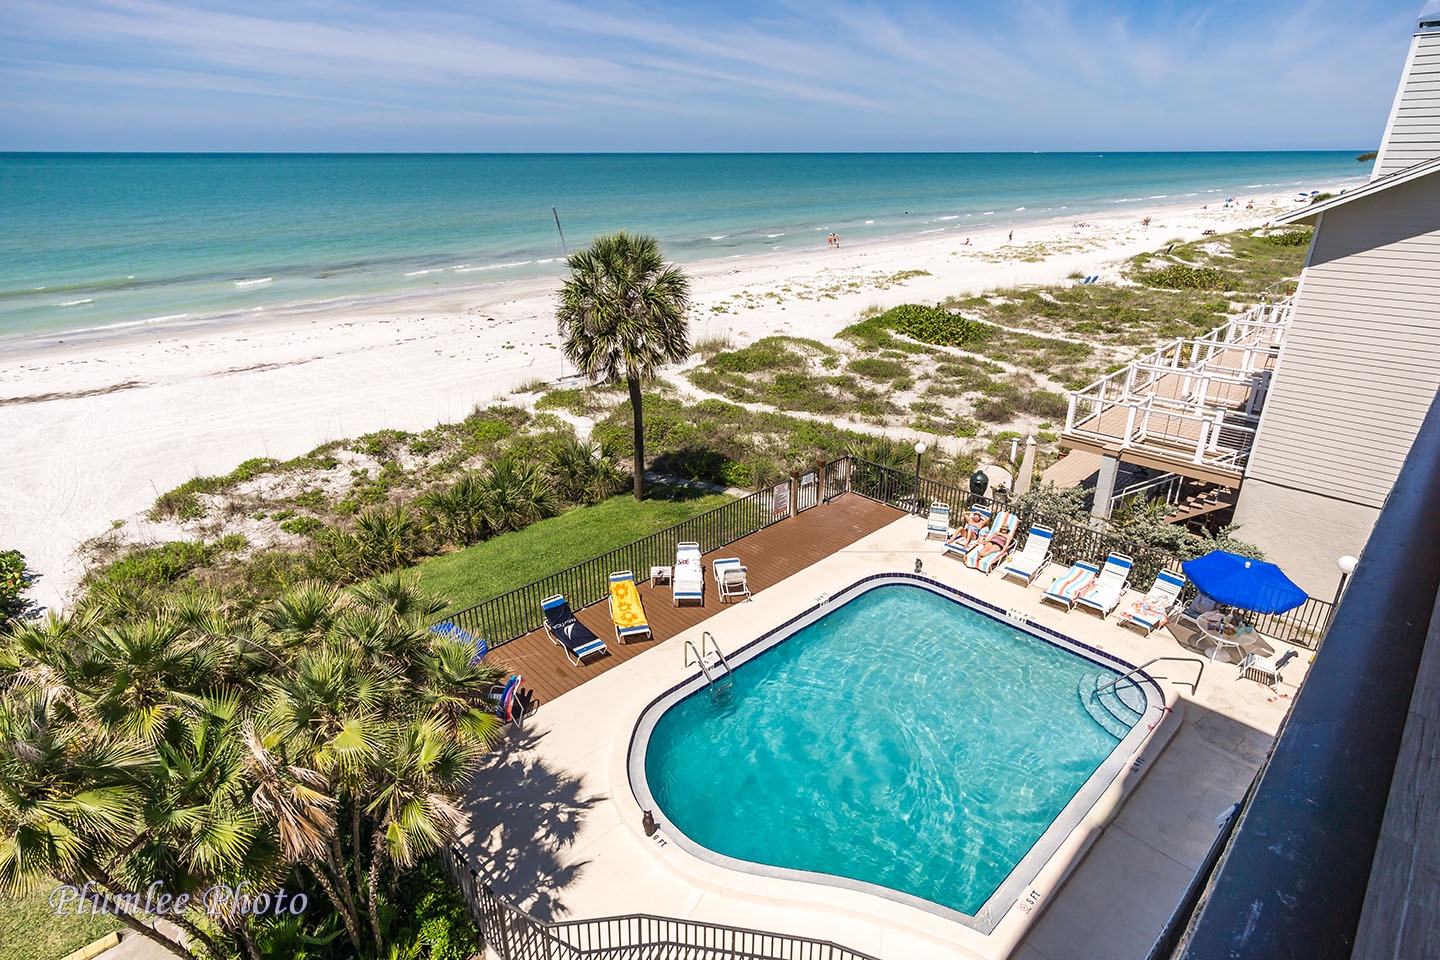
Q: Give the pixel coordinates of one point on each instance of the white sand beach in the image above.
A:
(101, 423)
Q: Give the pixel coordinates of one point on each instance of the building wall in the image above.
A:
(1360, 367)
(1413, 133)
(1304, 533)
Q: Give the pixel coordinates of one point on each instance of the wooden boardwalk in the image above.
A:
(779, 551)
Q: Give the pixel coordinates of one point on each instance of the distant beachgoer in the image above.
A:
(837, 239)
(1012, 235)
(1145, 222)
(967, 241)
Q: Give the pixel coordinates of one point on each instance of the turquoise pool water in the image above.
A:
(903, 740)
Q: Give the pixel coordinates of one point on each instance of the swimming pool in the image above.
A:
(898, 739)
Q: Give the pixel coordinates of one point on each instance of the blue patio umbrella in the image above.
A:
(1245, 583)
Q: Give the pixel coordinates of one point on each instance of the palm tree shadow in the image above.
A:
(522, 814)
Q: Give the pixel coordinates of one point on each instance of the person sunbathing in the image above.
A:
(974, 528)
(994, 543)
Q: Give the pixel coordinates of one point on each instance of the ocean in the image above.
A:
(101, 240)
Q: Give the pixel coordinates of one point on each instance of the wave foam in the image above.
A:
(257, 282)
(75, 303)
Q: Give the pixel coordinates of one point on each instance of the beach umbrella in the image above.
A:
(1244, 583)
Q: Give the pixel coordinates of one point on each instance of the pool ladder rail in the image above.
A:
(711, 660)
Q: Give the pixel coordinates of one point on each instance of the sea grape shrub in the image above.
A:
(14, 578)
(934, 325)
(1290, 238)
(1180, 277)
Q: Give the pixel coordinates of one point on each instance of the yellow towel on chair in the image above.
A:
(625, 608)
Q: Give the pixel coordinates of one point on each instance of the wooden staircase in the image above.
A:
(1200, 498)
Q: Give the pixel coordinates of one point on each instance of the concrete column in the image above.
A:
(1024, 478)
(1105, 486)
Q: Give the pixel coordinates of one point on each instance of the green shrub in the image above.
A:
(155, 567)
(302, 525)
(876, 369)
(313, 498)
(14, 578)
(1290, 238)
(381, 444)
(734, 474)
(771, 353)
(1181, 277)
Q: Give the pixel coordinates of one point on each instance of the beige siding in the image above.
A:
(1413, 133)
(1361, 362)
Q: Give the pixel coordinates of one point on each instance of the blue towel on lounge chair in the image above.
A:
(450, 631)
(577, 640)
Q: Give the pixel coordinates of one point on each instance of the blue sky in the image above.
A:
(550, 75)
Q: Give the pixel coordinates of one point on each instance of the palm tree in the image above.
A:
(622, 316)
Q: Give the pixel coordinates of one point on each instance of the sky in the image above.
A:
(715, 75)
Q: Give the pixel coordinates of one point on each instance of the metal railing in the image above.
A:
(515, 935)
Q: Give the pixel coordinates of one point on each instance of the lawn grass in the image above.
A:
(512, 560)
(29, 929)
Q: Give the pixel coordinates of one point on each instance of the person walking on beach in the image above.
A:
(1011, 238)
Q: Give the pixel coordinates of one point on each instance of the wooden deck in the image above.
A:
(771, 555)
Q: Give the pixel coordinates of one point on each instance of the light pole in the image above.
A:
(1347, 566)
(920, 448)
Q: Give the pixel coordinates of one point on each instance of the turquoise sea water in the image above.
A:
(91, 240)
(903, 740)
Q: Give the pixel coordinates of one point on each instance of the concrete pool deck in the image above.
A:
(553, 820)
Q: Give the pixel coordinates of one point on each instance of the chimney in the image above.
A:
(1413, 132)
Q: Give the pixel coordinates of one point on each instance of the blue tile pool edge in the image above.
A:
(1008, 893)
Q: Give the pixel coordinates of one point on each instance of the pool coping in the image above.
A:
(1020, 898)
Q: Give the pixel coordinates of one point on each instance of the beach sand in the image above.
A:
(101, 423)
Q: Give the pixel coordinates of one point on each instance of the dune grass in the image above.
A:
(512, 560)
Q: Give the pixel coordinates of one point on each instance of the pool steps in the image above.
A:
(1113, 710)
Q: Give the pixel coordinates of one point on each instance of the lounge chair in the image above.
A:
(1026, 565)
(450, 631)
(627, 613)
(731, 578)
(1265, 670)
(688, 582)
(1153, 612)
(1065, 589)
(953, 547)
(1005, 522)
(509, 707)
(937, 527)
(577, 640)
(1104, 594)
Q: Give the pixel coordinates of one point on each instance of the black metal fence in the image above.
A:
(514, 935)
(514, 614)
(1302, 626)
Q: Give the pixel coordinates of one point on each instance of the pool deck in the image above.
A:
(553, 819)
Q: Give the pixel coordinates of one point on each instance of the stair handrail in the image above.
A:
(708, 637)
(1194, 685)
(690, 648)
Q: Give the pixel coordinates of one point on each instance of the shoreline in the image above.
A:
(103, 425)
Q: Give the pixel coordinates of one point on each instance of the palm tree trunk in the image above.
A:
(375, 901)
(634, 383)
(150, 933)
(343, 905)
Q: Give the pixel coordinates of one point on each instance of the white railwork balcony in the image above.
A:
(1193, 401)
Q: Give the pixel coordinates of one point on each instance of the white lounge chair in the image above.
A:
(937, 527)
(1065, 589)
(688, 582)
(1026, 565)
(731, 579)
(1005, 522)
(1104, 595)
(1265, 670)
(1154, 611)
(955, 546)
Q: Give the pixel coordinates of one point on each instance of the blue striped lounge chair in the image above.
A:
(577, 640)
(1153, 611)
(450, 631)
(688, 582)
(1065, 589)
(956, 546)
(1005, 522)
(506, 699)
(731, 578)
(1026, 565)
(937, 526)
(1104, 594)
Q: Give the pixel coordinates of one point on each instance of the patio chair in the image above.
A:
(450, 631)
(1065, 589)
(937, 527)
(954, 546)
(1265, 670)
(509, 706)
(1026, 565)
(1104, 594)
(731, 578)
(976, 559)
(688, 582)
(577, 640)
(1153, 611)
(627, 613)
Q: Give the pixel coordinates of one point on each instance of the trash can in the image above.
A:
(979, 483)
